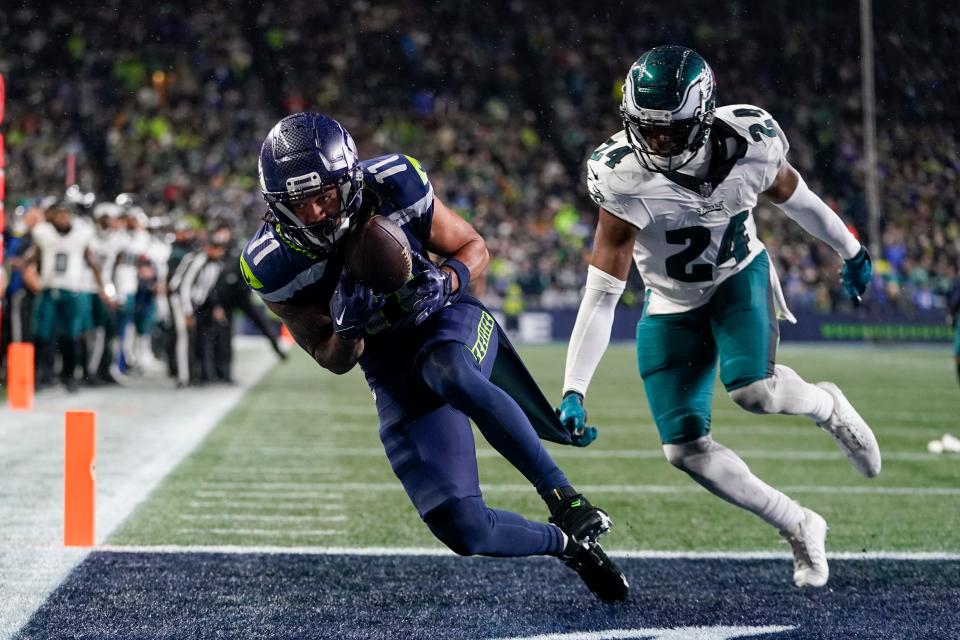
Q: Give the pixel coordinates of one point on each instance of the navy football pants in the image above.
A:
(435, 459)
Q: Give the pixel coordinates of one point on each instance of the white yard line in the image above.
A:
(307, 489)
(259, 507)
(438, 552)
(313, 452)
(266, 533)
(143, 432)
(258, 517)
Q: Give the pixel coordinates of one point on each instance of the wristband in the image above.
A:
(463, 276)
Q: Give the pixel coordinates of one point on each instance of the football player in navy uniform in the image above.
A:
(433, 356)
(676, 187)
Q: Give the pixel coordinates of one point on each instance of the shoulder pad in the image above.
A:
(275, 269)
(396, 178)
(756, 125)
(615, 180)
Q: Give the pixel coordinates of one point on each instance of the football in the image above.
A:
(377, 253)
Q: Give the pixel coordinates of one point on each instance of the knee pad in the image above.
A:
(463, 524)
(756, 397)
(679, 455)
(447, 372)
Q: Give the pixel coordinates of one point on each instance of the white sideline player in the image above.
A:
(676, 189)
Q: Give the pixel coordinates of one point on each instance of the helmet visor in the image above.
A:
(663, 139)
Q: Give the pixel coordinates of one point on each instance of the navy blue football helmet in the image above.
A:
(303, 155)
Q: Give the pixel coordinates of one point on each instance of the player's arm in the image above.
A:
(791, 195)
(312, 328)
(464, 248)
(107, 291)
(606, 280)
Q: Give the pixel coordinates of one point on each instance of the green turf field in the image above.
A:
(298, 462)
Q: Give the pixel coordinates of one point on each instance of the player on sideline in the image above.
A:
(428, 352)
(676, 189)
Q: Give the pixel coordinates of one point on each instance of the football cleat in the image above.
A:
(851, 433)
(601, 575)
(808, 540)
(575, 516)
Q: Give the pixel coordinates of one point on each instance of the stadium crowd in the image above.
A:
(500, 101)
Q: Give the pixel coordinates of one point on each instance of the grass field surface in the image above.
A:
(298, 463)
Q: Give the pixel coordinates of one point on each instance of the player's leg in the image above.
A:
(956, 348)
(745, 327)
(677, 358)
(69, 321)
(452, 372)
(435, 459)
(43, 322)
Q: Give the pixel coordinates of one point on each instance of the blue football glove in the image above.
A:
(856, 274)
(351, 306)
(574, 418)
(425, 293)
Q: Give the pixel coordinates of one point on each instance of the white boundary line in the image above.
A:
(936, 556)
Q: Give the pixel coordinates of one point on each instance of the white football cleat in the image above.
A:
(851, 433)
(808, 540)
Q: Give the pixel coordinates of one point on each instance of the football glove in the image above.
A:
(351, 306)
(425, 293)
(574, 418)
(856, 274)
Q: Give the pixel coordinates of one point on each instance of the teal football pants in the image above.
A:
(677, 353)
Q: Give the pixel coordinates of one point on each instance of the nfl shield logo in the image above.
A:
(706, 189)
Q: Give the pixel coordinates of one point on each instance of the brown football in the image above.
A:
(378, 254)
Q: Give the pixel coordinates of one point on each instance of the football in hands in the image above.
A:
(377, 253)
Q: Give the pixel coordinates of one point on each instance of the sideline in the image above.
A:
(144, 430)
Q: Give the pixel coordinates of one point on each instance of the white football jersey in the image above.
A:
(135, 244)
(104, 247)
(62, 263)
(692, 233)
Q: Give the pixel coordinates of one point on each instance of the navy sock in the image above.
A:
(451, 372)
(469, 527)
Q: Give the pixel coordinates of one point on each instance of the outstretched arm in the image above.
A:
(606, 280)
(790, 193)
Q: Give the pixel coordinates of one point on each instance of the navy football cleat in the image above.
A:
(601, 575)
(575, 516)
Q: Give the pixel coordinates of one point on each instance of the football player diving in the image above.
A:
(676, 189)
(433, 356)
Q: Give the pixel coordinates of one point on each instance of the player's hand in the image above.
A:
(574, 418)
(351, 306)
(856, 275)
(426, 292)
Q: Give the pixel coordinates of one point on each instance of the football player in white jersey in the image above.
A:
(62, 247)
(676, 189)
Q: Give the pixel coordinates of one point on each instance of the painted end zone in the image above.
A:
(277, 595)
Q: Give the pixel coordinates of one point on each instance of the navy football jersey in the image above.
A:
(280, 271)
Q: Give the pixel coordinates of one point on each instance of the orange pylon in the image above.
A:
(20, 376)
(79, 483)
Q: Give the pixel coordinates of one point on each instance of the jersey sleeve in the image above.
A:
(763, 133)
(400, 180)
(276, 271)
(619, 191)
